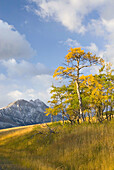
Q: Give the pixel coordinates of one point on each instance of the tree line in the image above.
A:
(84, 95)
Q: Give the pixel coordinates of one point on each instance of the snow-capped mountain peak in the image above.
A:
(22, 112)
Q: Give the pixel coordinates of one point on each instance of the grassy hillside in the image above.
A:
(84, 147)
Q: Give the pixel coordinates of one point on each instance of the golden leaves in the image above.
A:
(58, 71)
(74, 53)
(68, 69)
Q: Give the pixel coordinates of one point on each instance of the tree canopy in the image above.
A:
(84, 94)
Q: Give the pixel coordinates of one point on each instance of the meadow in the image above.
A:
(87, 146)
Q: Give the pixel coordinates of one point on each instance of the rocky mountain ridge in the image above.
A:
(22, 112)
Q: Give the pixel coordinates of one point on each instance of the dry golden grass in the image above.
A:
(84, 147)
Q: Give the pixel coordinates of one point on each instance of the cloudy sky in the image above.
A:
(35, 35)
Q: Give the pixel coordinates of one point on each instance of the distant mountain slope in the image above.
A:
(22, 112)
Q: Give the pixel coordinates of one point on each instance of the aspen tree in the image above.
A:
(75, 61)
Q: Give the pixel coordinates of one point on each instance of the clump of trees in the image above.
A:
(84, 95)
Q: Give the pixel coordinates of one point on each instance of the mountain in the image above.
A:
(22, 112)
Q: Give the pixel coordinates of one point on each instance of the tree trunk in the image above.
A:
(107, 112)
(110, 112)
(99, 114)
(89, 116)
(102, 112)
(80, 100)
(78, 91)
(63, 116)
(78, 120)
(51, 118)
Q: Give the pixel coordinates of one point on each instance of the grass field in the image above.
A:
(78, 147)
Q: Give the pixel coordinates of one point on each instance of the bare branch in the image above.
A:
(85, 66)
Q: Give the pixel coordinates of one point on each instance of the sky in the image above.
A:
(35, 36)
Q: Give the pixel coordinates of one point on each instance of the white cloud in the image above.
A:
(2, 77)
(97, 28)
(24, 68)
(74, 43)
(105, 28)
(107, 11)
(27, 94)
(15, 95)
(108, 53)
(70, 13)
(21, 89)
(109, 24)
(24, 80)
(42, 81)
(71, 43)
(92, 48)
(12, 43)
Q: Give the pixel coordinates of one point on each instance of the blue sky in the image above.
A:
(35, 36)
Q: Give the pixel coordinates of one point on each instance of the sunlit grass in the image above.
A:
(84, 147)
